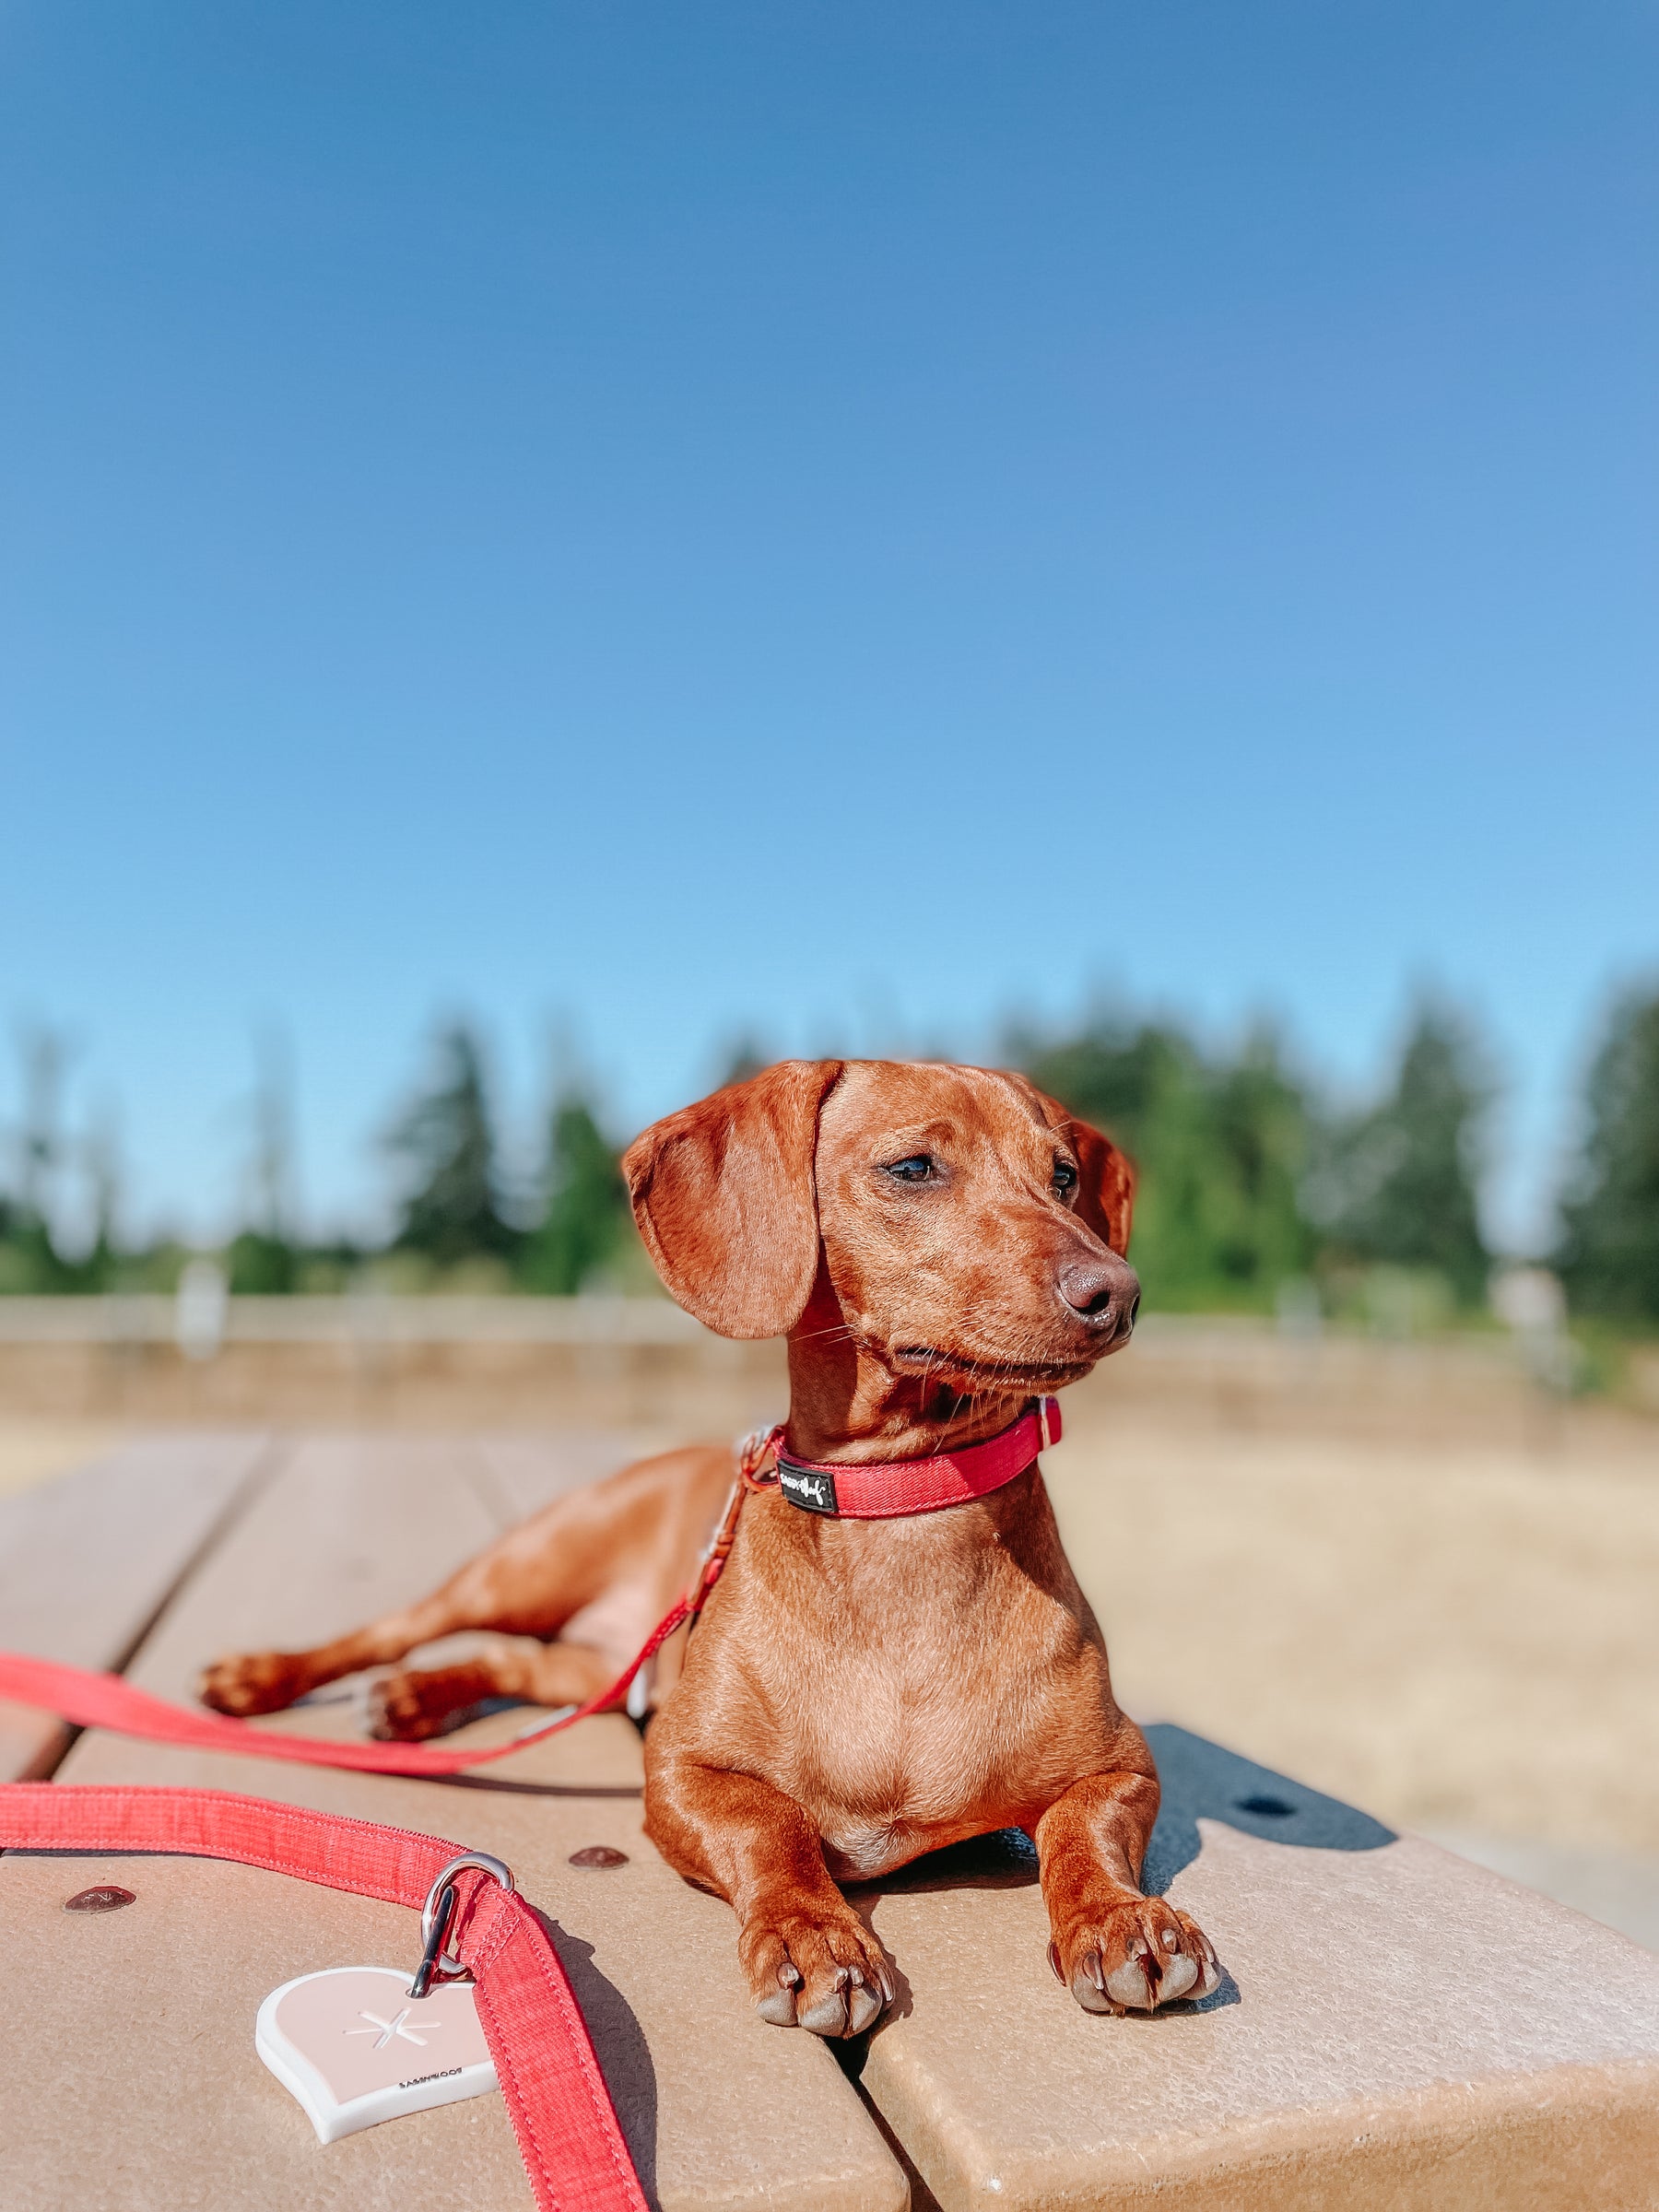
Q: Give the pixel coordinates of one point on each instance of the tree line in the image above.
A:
(1256, 1190)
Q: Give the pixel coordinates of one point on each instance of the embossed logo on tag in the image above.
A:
(355, 2048)
(813, 1488)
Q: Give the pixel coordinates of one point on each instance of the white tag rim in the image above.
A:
(306, 2084)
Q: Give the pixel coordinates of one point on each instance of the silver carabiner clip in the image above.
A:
(440, 1910)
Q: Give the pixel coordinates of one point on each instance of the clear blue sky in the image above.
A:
(839, 522)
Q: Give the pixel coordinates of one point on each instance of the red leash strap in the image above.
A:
(568, 2134)
(108, 1702)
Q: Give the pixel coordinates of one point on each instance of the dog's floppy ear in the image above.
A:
(1106, 1192)
(725, 1200)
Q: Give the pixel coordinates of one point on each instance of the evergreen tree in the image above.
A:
(1610, 1250)
(744, 1059)
(100, 1157)
(31, 1262)
(1219, 1148)
(452, 1209)
(1400, 1184)
(265, 1258)
(261, 1265)
(588, 1221)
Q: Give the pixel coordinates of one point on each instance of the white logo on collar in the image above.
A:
(809, 1485)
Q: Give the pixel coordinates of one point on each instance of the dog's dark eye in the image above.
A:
(916, 1169)
(1066, 1177)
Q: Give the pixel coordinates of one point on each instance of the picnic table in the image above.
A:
(1397, 2028)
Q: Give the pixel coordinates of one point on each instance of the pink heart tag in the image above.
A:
(355, 2048)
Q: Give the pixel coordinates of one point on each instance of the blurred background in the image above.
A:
(555, 555)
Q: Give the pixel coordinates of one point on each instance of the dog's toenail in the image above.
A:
(788, 1978)
(598, 1854)
(828, 2016)
(1058, 1970)
(1130, 1986)
(1170, 1939)
(108, 1896)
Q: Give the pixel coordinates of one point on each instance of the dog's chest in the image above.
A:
(949, 1696)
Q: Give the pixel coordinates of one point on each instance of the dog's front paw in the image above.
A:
(252, 1682)
(1134, 1956)
(816, 1969)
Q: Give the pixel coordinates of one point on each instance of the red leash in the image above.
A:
(109, 1701)
(568, 2134)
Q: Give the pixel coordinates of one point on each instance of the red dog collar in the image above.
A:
(887, 1490)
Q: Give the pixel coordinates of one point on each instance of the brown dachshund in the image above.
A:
(938, 1245)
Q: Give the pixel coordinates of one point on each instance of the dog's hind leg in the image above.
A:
(639, 1530)
(267, 1681)
(415, 1703)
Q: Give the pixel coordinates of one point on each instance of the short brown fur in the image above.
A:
(857, 1692)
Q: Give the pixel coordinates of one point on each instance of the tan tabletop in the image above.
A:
(1398, 2029)
(87, 1561)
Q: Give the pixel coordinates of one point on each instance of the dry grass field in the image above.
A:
(1452, 1635)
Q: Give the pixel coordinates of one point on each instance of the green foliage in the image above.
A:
(1250, 1185)
(587, 1226)
(452, 1208)
(1221, 1146)
(261, 1265)
(1397, 1186)
(29, 1265)
(32, 1266)
(1610, 1250)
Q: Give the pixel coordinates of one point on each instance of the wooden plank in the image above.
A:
(166, 1990)
(87, 1560)
(523, 1472)
(1399, 2029)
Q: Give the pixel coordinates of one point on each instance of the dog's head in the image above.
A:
(968, 1229)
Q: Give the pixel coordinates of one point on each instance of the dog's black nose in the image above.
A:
(1105, 1290)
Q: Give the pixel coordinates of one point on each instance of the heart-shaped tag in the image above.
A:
(355, 2048)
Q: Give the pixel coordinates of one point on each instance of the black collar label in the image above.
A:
(812, 1488)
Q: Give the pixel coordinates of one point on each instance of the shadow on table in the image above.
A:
(619, 2044)
(1201, 1781)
